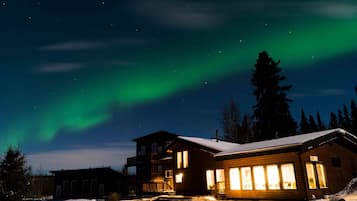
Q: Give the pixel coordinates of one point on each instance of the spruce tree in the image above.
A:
(271, 111)
(313, 126)
(333, 121)
(246, 131)
(15, 176)
(320, 125)
(341, 121)
(230, 123)
(304, 124)
(353, 117)
(346, 118)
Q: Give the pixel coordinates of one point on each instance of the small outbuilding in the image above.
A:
(92, 183)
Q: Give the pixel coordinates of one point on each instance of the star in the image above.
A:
(137, 30)
(220, 51)
(205, 82)
(290, 32)
(3, 3)
(240, 41)
(102, 2)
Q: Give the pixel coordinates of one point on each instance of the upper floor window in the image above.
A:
(185, 159)
(159, 149)
(142, 150)
(179, 160)
(182, 159)
(154, 148)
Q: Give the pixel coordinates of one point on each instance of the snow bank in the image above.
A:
(80, 200)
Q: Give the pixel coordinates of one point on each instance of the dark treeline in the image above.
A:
(271, 117)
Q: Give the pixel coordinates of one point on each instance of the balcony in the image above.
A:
(131, 161)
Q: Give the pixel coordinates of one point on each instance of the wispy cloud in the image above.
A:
(179, 14)
(320, 92)
(74, 45)
(114, 156)
(336, 9)
(59, 67)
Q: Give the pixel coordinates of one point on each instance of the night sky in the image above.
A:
(80, 79)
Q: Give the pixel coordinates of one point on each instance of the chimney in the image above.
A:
(216, 135)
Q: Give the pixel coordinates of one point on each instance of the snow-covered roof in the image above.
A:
(278, 143)
(210, 143)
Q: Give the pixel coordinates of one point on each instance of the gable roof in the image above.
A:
(287, 142)
(213, 144)
(155, 135)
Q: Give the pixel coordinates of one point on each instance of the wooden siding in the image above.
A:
(337, 177)
(194, 176)
(282, 158)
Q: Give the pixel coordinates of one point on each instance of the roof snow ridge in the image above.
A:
(283, 142)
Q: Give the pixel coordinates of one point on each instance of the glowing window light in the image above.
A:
(273, 177)
(210, 179)
(220, 175)
(288, 176)
(321, 175)
(247, 183)
(311, 175)
(185, 159)
(259, 178)
(234, 179)
(179, 160)
(178, 178)
(220, 185)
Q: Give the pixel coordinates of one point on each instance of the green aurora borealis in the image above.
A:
(181, 65)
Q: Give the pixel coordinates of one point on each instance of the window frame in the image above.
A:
(294, 187)
(237, 185)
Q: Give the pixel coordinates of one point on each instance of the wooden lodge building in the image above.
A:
(154, 174)
(300, 167)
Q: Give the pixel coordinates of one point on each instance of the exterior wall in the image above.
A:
(86, 183)
(194, 176)
(282, 158)
(151, 165)
(337, 175)
(41, 186)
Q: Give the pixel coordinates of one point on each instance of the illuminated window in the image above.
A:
(246, 178)
(311, 175)
(321, 175)
(234, 178)
(288, 176)
(210, 179)
(178, 178)
(259, 177)
(185, 159)
(179, 160)
(220, 181)
(220, 175)
(273, 177)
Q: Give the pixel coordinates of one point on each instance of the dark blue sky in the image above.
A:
(81, 79)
